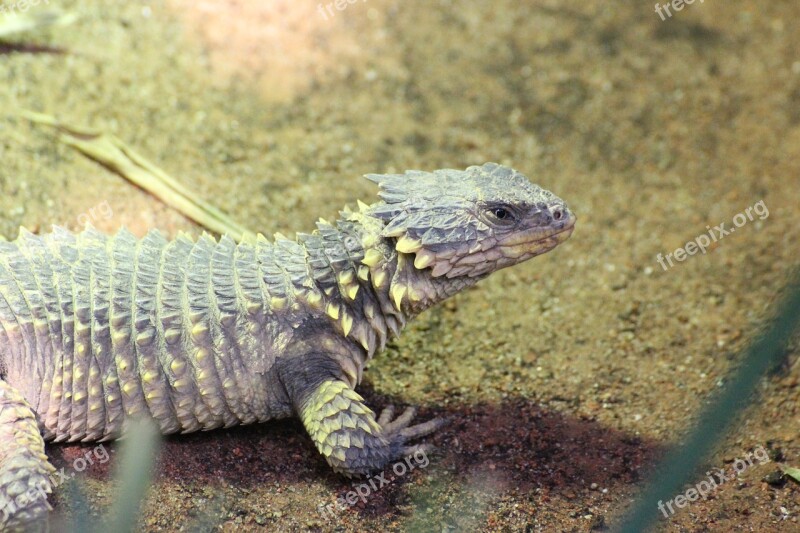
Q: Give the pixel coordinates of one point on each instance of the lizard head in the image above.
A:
(470, 222)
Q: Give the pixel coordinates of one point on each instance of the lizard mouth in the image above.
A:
(531, 243)
(516, 248)
(511, 249)
(564, 233)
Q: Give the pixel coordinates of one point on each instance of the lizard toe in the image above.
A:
(386, 416)
(421, 430)
(400, 422)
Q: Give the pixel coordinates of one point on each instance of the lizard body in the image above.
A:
(97, 331)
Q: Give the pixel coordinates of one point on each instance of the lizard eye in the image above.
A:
(500, 213)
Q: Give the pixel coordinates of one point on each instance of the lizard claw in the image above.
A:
(423, 429)
(386, 415)
(401, 422)
(416, 449)
(399, 431)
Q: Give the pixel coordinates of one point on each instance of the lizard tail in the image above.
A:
(25, 473)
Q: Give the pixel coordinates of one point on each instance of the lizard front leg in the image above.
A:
(25, 472)
(345, 430)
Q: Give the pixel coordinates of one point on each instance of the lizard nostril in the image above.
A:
(558, 214)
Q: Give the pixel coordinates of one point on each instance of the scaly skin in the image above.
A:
(96, 331)
(26, 473)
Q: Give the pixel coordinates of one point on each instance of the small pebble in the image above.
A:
(775, 479)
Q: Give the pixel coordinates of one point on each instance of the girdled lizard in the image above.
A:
(96, 331)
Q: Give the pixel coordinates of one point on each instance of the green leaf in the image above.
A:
(115, 155)
(25, 22)
(792, 472)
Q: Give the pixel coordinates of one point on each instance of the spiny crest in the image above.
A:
(476, 183)
(466, 222)
(436, 208)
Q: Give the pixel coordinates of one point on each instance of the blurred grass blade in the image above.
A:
(793, 473)
(682, 463)
(75, 492)
(134, 475)
(475, 498)
(25, 22)
(114, 154)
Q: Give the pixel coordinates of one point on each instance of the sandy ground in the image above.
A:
(566, 378)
